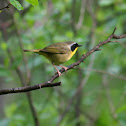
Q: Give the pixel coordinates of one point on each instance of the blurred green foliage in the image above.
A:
(50, 22)
(16, 4)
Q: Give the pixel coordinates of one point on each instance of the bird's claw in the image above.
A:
(65, 68)
(59, 73)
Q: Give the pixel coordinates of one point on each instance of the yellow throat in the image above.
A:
(72, 53)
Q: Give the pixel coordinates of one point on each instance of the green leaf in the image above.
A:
(16, 4)
(33, 2)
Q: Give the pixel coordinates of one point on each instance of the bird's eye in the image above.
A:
(73, 47)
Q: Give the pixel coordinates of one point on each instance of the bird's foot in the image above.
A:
(65, 68)
(59, 73)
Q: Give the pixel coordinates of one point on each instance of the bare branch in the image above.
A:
(28, 88)
(84, 56)
(55, 76)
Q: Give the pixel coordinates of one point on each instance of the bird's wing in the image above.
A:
(58, 48)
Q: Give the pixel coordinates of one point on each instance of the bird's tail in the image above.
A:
(34, 50)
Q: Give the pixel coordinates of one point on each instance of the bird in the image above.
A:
(58, 53)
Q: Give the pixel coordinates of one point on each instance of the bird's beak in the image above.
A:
(79, 45)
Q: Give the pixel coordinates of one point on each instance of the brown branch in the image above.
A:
(83, 57)
(120, 36)
(28, 88)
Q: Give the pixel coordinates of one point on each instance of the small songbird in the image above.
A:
(58, 53)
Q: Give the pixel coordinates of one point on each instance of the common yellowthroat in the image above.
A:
(58, 53)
